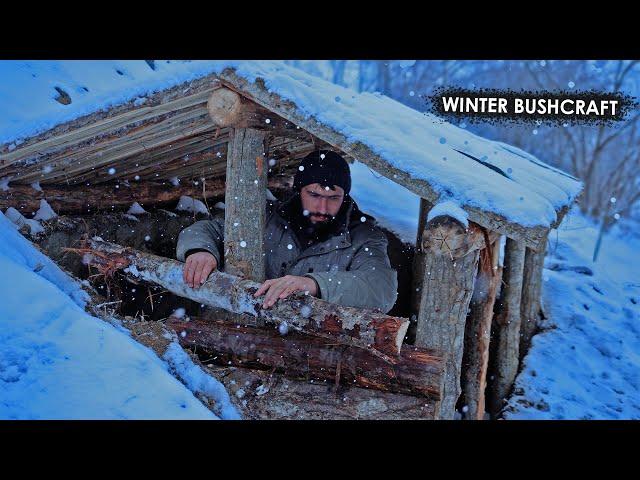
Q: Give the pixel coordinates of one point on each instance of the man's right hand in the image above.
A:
(198, 267)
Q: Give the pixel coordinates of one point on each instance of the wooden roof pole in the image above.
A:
(246, 184)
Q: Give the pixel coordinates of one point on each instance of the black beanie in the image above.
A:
(324, 167)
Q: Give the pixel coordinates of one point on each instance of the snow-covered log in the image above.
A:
(448, 262)
(369, 329)
(418, 371)
(507, 325)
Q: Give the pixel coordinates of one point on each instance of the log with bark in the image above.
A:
(417, 372)
(369, 329)
(106, 197)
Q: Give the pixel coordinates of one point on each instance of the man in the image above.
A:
(317, 242)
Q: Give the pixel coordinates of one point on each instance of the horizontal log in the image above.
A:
(77, 200)
(417, 372)
(229, 109)
(260, 94)
(369, 329)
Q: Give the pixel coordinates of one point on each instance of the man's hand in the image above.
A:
(198, 267)
(282, 287)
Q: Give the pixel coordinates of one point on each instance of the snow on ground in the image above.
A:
(586, 362)
(459, 165)
(58, 362)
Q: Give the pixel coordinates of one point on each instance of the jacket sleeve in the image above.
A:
(203, 235)
(370, 281)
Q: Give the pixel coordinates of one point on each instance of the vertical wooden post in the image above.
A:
(450, 261)
(477, 335)
(245, 204)
(531, 296)
(507, 325)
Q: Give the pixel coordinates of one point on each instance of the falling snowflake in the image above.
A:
(243, 244)
(571, 84)
(137, 177)
(111, 171)
(289, 247)
(301, 168)
(267, 121)
(362, 219)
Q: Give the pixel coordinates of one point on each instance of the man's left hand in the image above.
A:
(282, 287)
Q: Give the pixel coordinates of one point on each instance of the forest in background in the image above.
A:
(605, 158)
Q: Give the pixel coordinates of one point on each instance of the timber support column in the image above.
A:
(245, 204)
(475, 360)
(530, 305)
(246, 184)
(450, 260)
(507, 325)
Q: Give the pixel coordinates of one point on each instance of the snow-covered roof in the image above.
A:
(499, 186)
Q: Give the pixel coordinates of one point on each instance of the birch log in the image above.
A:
(417, 371)
(450, 257)
(381, 334)
(507, 325)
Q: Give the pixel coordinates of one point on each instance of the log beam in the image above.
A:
(106, 197)
(376, 332)
(246, 203)
(417, 371)
(228, 109)
(507, 326)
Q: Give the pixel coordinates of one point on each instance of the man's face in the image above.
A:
(321, 204)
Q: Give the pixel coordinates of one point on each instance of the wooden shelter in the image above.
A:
(234, 129)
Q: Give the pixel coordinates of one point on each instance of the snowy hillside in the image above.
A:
(58, 362)
(586, 363)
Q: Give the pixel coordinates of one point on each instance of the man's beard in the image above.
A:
(322, 228)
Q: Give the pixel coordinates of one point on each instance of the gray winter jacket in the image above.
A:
(351, 268)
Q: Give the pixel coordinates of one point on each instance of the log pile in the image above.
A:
(329, 344)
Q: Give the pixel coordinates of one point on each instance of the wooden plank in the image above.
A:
(246, 202)
(507, 326)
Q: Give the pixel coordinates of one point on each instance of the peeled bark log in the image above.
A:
(79, 200)
(381, 334)
(450, 255)
(417, 371)
(229, 109)
(478, 333)
(507, 325)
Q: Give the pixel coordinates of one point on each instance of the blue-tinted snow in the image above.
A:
(453, 160)
(58, 362)
(586, 362)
